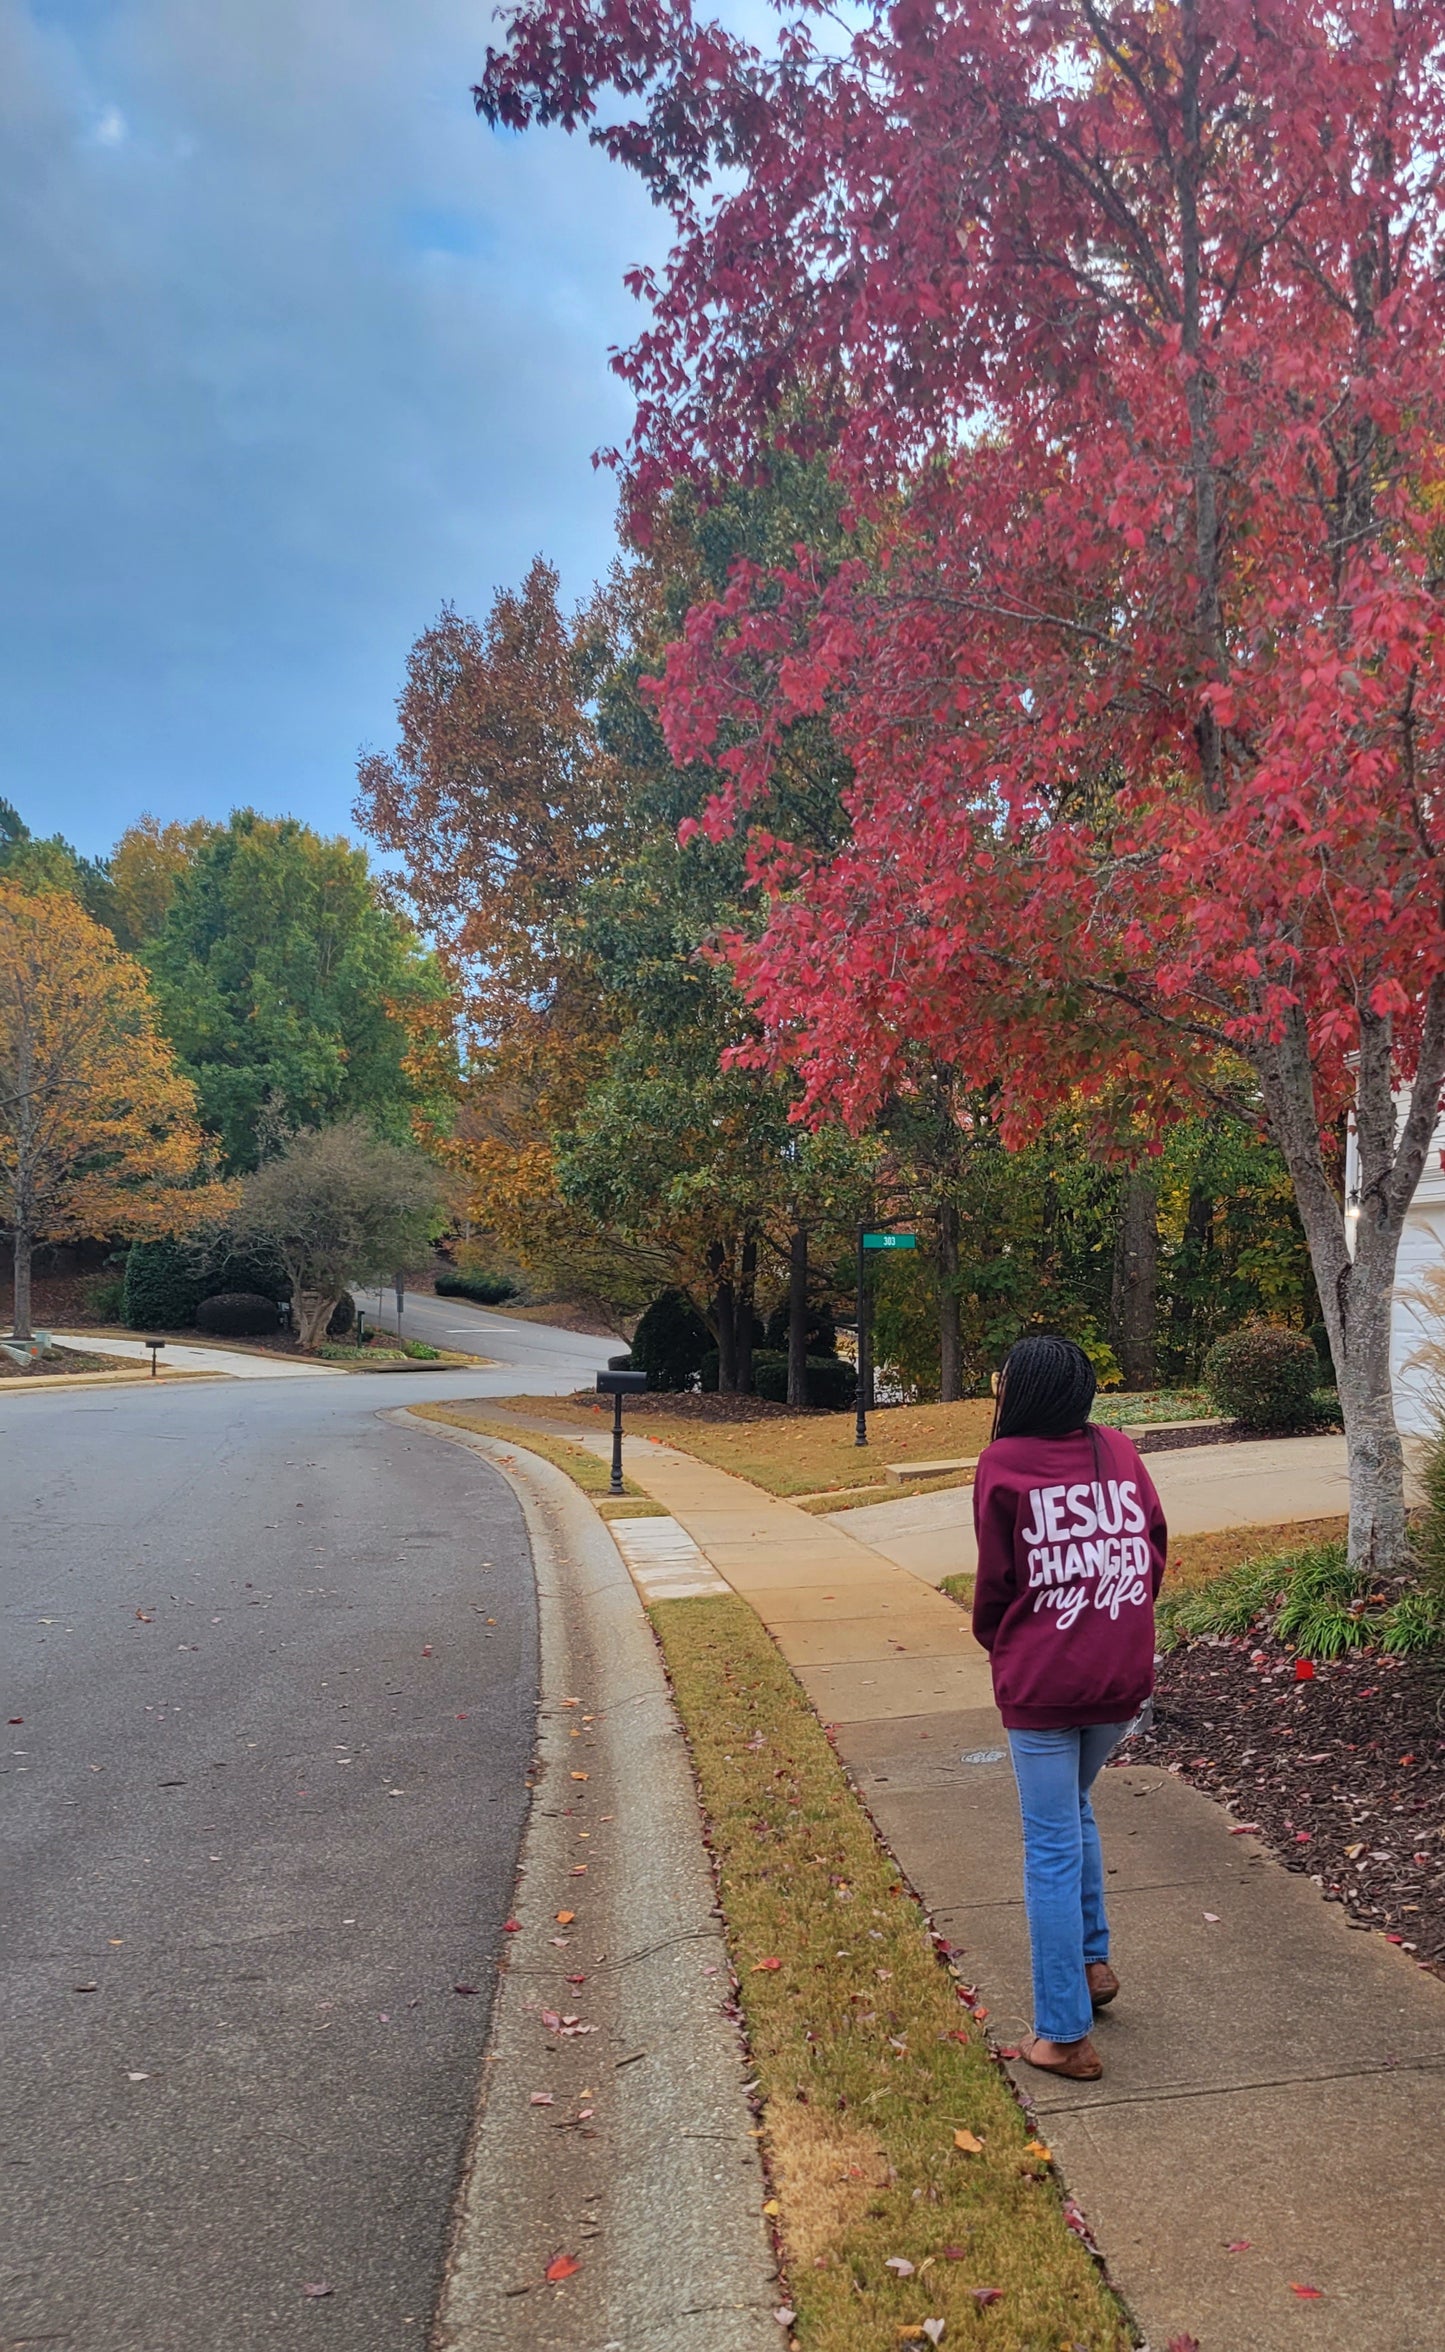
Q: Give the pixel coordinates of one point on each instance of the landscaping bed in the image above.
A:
(58, 1360)
(1343, 1772)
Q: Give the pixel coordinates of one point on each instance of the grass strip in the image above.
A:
(585, 1469)
(868, 2062)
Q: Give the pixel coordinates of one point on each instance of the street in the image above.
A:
(273, 1660)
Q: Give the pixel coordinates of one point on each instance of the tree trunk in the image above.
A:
(798, 1318)
(314, 1310)
(950, 1339)
(24, 1247)
(1134, 1307)
(724, 1320)
(1356, 1291)
(747, 1285)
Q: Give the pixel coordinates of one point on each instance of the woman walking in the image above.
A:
(1071, 1548)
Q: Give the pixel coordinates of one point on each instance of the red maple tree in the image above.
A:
(1124, 327)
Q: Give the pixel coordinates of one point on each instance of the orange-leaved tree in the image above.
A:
(98, 1130)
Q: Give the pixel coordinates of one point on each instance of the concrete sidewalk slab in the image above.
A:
(1260, 1483)
(180, 1356)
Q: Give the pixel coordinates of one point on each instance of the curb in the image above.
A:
(642, 2167)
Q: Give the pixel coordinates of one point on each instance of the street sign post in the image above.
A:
(878, 1240)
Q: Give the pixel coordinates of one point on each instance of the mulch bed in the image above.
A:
(1343, 1773)
(1168, 1441)
(693, 1405)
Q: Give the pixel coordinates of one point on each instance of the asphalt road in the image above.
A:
(260, 1820)
(535, 1348)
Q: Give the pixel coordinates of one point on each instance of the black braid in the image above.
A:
(1045, 1389)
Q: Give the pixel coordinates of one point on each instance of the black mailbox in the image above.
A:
(617, 1385)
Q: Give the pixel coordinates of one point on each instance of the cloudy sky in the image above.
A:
(294, 350)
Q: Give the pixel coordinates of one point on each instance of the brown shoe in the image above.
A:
(1076, 2061)
(1103, 1983)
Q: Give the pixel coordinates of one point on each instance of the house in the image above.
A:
(1416, 1320)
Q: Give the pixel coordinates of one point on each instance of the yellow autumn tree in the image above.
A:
(98, 1131)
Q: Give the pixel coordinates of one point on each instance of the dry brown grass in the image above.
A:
(867, 2063)
(793, 1453)
(585, 1469)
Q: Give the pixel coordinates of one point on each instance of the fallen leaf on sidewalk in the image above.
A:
(511, 1927)
(785, 2315)
(466, 1988)
(1306, 2294)
(566, 2266)
(1212, 1917)
(966, 2141)
(1182, 2344)
(1237, 2246)
(577, 1776)
(317, 2290)
(565, 1918)
(542, 2099)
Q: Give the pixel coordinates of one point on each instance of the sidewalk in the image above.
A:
(180, 1356)
(1271, 2074)
(1257, 1484)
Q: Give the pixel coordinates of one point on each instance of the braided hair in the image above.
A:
(1046, 1388)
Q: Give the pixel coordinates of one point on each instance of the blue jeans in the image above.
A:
(1063, 1869)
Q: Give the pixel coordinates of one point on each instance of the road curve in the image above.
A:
(273, 1660)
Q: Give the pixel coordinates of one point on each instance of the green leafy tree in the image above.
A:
(285, 981)
(52, 864)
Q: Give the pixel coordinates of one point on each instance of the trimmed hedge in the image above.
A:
(484, 1290)
(832, 1383)
(670, 1342)
(238, 1314)
(1265, 1376)
(163, 1283)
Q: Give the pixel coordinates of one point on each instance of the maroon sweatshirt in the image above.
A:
(1071, 1546)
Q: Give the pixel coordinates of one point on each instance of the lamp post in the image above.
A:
(617, 1385)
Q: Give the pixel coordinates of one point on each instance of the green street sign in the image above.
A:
(890, 1241)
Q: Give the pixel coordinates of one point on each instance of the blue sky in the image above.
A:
(293, 351)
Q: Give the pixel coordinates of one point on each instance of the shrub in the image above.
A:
(105, 1298)
(343, 1317)
(1428, 1534)
(821, 1329)
(162, 1286)
(420, 1352)
(832, 1384)
(484, 1290)
(237, 1314)
(670, 1341)
(1265, 1376)
(230, 1268)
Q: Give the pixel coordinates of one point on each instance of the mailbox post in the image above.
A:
(617, 1385)
(155, 1346)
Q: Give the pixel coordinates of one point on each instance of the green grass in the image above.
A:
(866, 2061)
(1311, 1600)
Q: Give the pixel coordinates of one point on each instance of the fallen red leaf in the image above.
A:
(1182, 2344)
(465, 1988)
(566, 2266)
(1307, 2294)
(1304, 1670)
(983, 2296)
(768, 1964)
(1237, 2246)
(511, 1927)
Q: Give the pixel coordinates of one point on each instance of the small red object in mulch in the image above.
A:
(1304, 1670)
(1343, 1772)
